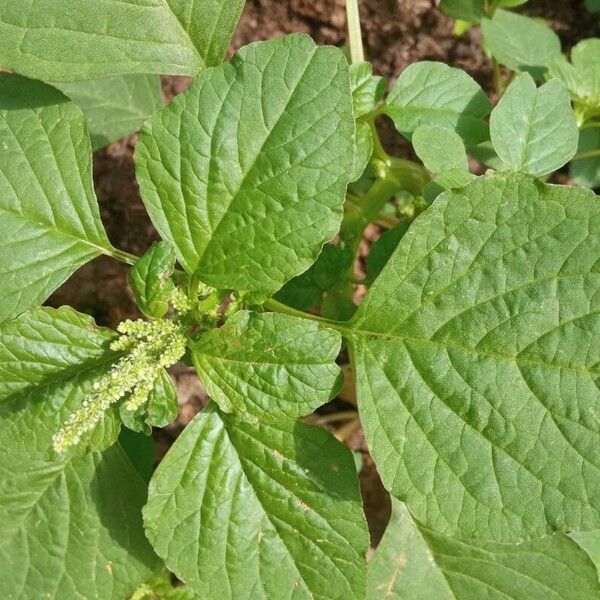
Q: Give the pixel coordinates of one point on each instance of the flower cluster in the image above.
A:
(149, 347)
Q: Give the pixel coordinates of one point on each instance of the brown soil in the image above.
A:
(397, 33)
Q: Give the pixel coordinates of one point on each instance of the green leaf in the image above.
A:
(382, 249)
(534, 130)
(367, 89)
(431, 93)
(242, 510)
(448, 180)
(586, 171)
(115, 107)
(160, 409)
(139, 449)
(150, 280)
(364, 149)
(49, 219)
(440, 149)
(521, 43)
(476, 361)
(328, 273)
(593, 5)
(246, 171)
(70, 40)
(466, 10)
(418, 563)
(582, 77)
(70, 525)
(268, 365)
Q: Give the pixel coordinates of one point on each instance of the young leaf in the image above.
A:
(115, 107)
(241, 510)
(582, 77)
(150, 280)
(70, 40)
(269, 365)
(71, 524)
(431, 93)
(49, 219)
(466, 10)
(521, 43)
(440, 149)
(586, 171)
(476, 361)
(534, 130)
(418, 563)
(367, 89)
(246, 171)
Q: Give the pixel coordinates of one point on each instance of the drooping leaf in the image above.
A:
(367, 89)
(476, 361)
(418, 563)
(440, 149)
(70, 40)
(150, 280)
(70, 525)
(115, 107)
(329, 272)
(49, 219)
(521, 43)
(586, 171)
(268, 365)
(534, 130)
(431, 93)
(241, 510)
(246, 171)
(582, 77)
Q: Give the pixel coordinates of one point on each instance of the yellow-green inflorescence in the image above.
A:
(149, 347)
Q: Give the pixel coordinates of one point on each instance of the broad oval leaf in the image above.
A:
(115, 107)
(246, 171)
(242, 510)
(70, 526)
(268, 365)
(476, 355)
(418, 563)
(521, 43)
(440, 149)
(432, 93)
(49, 219)
(534, 130)
(70, 40)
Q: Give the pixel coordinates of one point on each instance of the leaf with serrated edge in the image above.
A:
(432, 93)
(240, 510)
(70, 40)
(476, 361)
(417, 563)
(534, 129)
(246, 171)
(49, 219)
(521, 43)
(115, 107)
(70, 526)
(269, 365)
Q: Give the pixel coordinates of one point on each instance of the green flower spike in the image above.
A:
(150, 346)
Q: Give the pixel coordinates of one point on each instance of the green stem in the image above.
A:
(357, 53)
(121, 255)
(498, 81)
(588, 154)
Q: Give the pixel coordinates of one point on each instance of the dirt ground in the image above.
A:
(396, 34)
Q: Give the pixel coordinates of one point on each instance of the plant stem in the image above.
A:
(587, 154)
(354, 32)
(498, 81)
(121, 255)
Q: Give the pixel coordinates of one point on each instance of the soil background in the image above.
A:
(396, 34)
